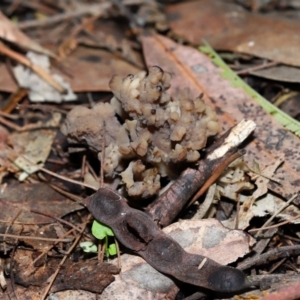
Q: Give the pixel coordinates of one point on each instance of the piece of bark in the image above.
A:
(80, 275)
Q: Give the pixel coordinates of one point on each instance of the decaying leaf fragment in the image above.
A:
(39, 89)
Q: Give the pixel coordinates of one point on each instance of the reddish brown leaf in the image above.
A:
(40, 197)
(227, 26)
(92, 69)
(7, 82)
(11, 33)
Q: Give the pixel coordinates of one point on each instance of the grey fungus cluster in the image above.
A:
(156, 131)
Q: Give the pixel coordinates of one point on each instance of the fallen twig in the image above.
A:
(273, 254)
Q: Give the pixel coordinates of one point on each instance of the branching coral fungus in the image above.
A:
(164, 129)
(157, 130)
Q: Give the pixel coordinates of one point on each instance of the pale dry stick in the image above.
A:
(276, 225)
(277, 265)
(55, 161)
(92, 171)
(101, 250)
(281, 99)
(10, 124)
(77, 199)
(83, 164)
(8, 227)
(276, 213)
(238, 204)
(3, 283)
(102, 161)
(9, 116)
(35, 68)
(36, 238)
(257, 68)
(209, 198)
(64, 259)
(65, 178)
(119, 256)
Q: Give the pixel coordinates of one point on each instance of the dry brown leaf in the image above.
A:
(11, 33)
(40, 197)
(7, 81)
(194, 70)
(205, 237)
(227, 26)
(92, 69)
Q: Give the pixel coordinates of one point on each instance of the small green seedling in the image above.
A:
(101, 232)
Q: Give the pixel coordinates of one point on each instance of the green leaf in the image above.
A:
(112, 250)
(284, 119)
(88, 247)
(100, 231)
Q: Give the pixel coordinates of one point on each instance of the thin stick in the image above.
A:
(54, 218)
(277, 265)
(119, 256)
(257, 68)
(102, 161)
(8, 227)
(92, 172)
(204, 207)
(67, 179)
(63, 260)
(276, 225)
(22, 237)
(59, 176)
(83, 166)
(276, 213)
(236, 226)
(75, 198)
(37, 69)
